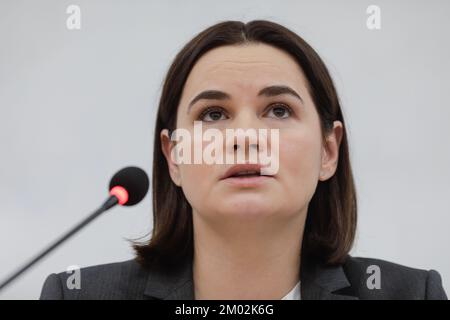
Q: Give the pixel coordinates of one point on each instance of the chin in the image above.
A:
(247, 207)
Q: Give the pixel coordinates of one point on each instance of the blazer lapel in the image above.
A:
(174, 285)
(319, 282)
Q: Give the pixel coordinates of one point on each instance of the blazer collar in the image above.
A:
(174, 285)
(321, 282)
(318, 282)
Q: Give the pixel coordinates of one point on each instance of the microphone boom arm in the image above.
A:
(108, 204)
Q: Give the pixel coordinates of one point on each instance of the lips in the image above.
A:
(243, 171)
(246, 176)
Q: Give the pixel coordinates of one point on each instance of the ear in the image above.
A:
(167, 146)
(330, 151)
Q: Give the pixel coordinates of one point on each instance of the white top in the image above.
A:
(294, 294)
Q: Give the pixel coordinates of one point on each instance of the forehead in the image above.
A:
(244, 67)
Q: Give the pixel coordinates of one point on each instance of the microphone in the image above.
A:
(127, 188)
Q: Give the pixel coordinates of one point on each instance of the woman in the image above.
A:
(225, 231)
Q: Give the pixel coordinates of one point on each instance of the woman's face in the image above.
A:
(241, 72)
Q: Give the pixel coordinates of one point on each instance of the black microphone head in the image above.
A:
(134, 180)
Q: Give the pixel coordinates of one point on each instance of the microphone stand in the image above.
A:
(109, 203)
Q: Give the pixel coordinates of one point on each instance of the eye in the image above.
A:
(211, 114)
(279, 111)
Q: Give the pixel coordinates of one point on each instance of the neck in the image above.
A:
(253, 259)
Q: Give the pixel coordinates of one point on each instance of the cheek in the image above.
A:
(196, 181)
(300, 161)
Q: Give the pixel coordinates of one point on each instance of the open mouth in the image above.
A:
(245, 175)
(243, 171)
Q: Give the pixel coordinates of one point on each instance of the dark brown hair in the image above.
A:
(332, 212)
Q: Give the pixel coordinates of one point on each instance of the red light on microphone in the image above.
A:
(121, 194)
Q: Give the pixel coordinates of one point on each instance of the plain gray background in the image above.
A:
(78, 105)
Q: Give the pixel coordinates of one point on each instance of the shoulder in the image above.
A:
(372, 278)
(119, 280)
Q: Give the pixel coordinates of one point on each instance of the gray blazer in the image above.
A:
(129, 280)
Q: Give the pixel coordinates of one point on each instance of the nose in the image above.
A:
(243, 141)
(245, 146)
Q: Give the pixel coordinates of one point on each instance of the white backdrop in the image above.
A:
(76, 105)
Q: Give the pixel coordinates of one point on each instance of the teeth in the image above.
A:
(245, 173)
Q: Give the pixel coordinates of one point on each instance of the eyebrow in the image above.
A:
(270, 91)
